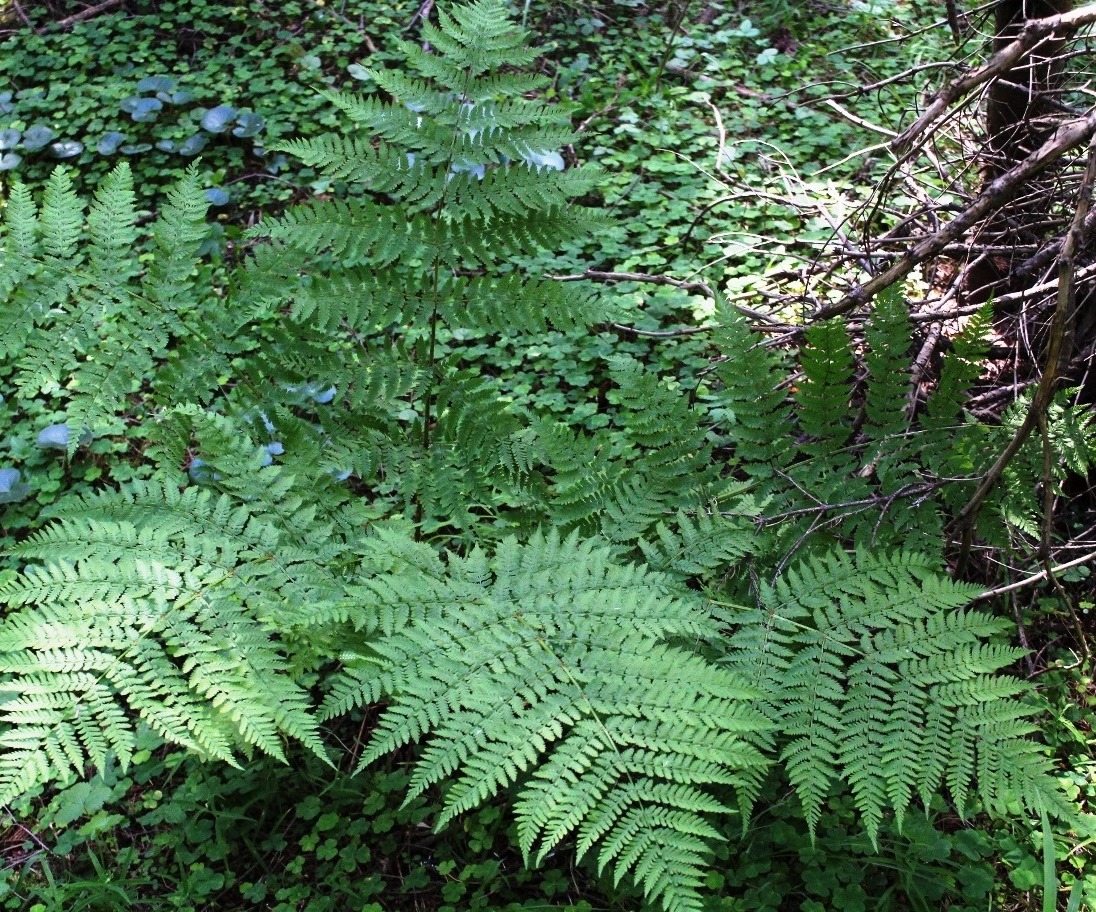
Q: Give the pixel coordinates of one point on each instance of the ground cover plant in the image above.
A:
(690, 644)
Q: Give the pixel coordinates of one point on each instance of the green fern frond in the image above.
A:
(548, 661)
(871, 665)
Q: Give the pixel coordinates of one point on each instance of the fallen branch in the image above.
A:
(1001, 190)
(1044, 391)
(1048, 253)
(84, 14)
(1034, 32)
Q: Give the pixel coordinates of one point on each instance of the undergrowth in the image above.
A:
(697, 636)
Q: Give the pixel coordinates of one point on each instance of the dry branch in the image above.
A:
(1034, 32)
(1044, 391)
(997, 193)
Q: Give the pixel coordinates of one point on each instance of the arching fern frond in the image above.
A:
(879, 678)
(151, 606)
(546, 668)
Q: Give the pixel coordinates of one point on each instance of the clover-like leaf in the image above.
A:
(110, 142)
(38, 137)
(248, 124)
(542, 158)
(217, 196)
(166, 145)
(9, 139)
(216, 120)
(54, 437)
(146, 110)
(135, 148)
(193, 145)
(12, 488)
(10, 160)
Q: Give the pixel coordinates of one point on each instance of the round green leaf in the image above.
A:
(156, 84)
(38, 137)
(248, 124)
(216, 120)
(146, 110)
(193, 145)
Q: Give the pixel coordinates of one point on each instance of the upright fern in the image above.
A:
(455, 175)
(81, 314)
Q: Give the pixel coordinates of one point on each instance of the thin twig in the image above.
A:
(1000, 190)
(690, 286)
(423, 13)
(920, 365)
(22, 14)
(847, 115)
(661, 333)
(622, 80)
(85, 14)
(1036, 578)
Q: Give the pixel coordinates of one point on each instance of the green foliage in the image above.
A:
(878, 678)
(551, 657)
(156, 605)
(283, 413)
(157, 84)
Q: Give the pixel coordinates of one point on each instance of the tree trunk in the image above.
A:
(1021, 97)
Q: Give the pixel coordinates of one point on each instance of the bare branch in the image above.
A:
(1034, 32)
(1044, 392)
(999, 191)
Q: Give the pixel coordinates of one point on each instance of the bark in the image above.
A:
(1021, 97)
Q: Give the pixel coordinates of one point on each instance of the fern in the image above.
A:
(157, 606)
(289, 411)
(81, 314)
(546, 667)
(877, 677)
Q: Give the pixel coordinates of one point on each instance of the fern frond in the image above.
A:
(159, 601)
(871, 665)
(548, 661)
